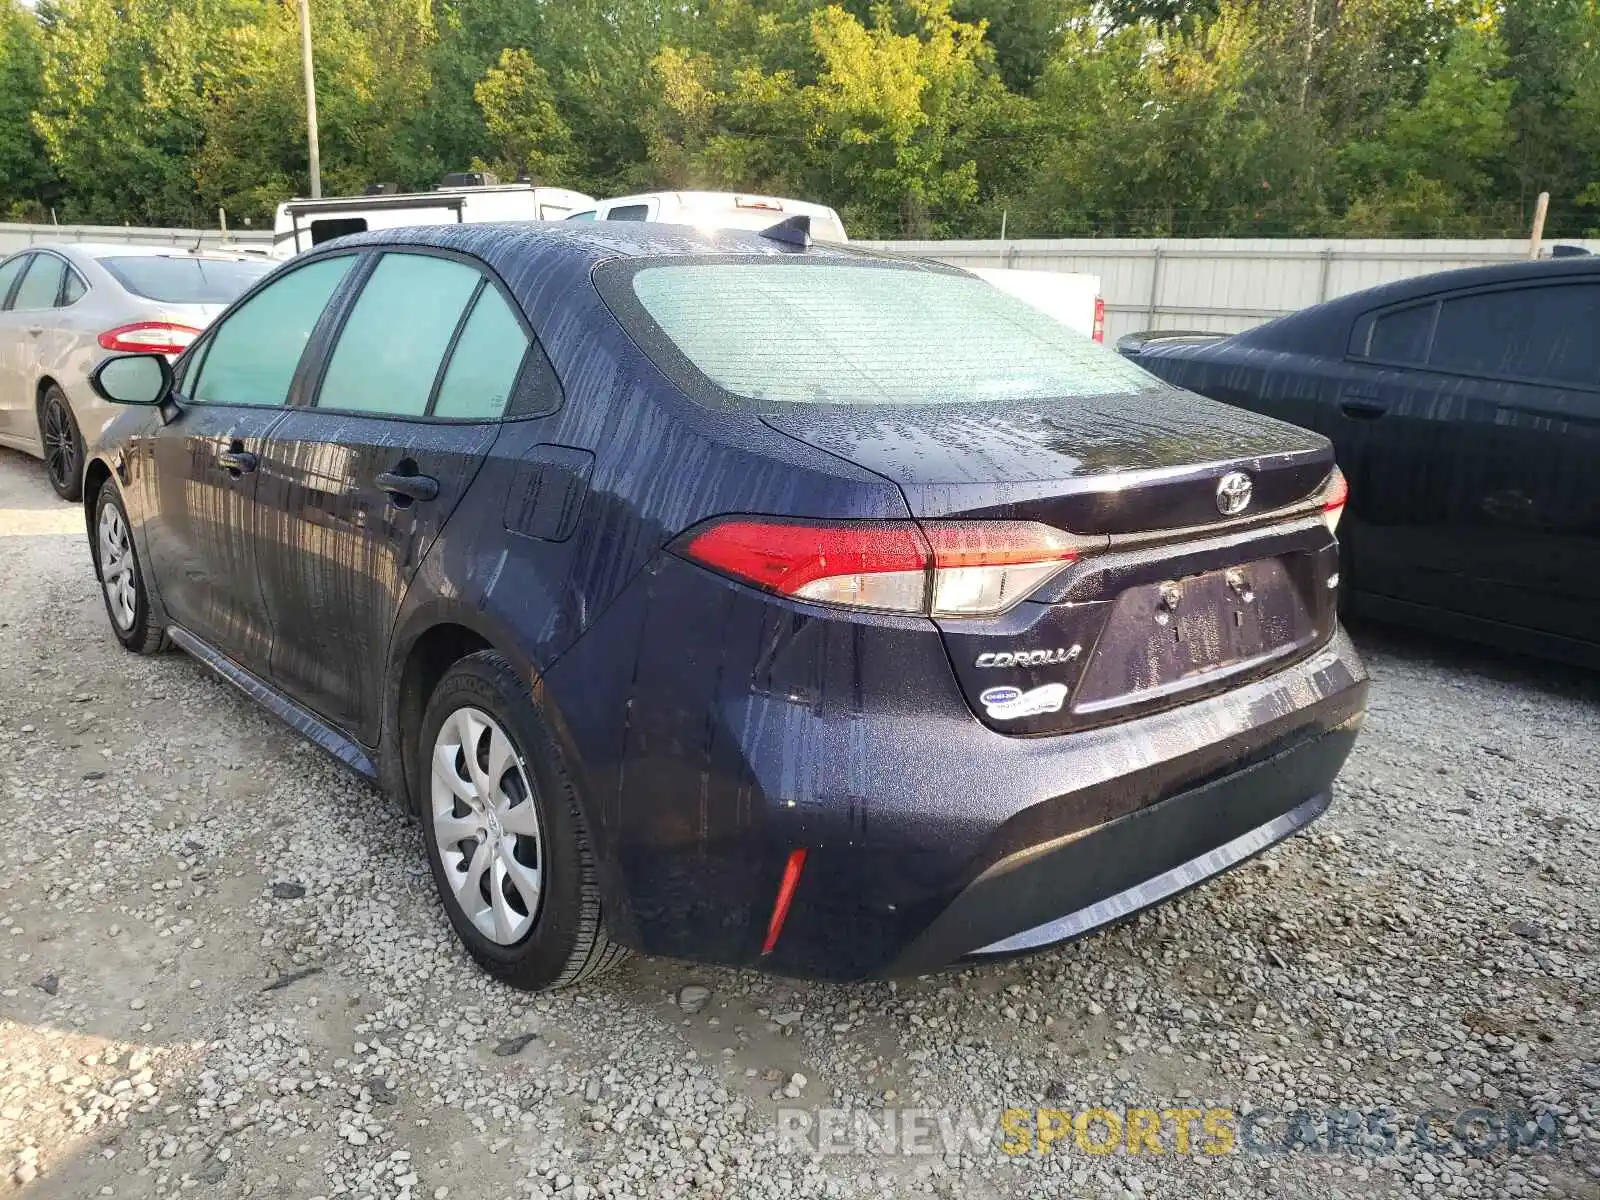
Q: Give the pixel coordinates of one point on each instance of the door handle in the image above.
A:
(35, 330)
(1362, 407)
(238, 461)
(403, 489)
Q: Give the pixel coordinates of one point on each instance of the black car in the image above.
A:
(1464, 408)
(732, 598)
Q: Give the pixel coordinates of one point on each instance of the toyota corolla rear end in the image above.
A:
(1086, 659)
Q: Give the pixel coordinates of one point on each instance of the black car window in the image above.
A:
(484, 364)
(41, 285)
(629, 212)
(329, 228)
(252, 356)
(394, 341)
(8, 276)
(1544, 334)
(1400, 336)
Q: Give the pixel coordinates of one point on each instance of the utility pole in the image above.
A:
(1536, 239)
(311, 99)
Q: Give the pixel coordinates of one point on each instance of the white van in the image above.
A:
(716, 210)
(302, 224)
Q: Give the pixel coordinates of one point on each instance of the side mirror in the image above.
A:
(133, 379)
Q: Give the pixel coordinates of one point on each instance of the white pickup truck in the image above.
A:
(1074, 300)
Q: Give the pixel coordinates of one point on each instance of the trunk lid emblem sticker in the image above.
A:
(1010, 703)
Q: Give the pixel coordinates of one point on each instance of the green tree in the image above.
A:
(519, 115)
(25, 175)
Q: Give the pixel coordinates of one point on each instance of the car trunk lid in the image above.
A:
(1190, 585)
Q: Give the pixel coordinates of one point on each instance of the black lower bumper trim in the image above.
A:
(1058, 891)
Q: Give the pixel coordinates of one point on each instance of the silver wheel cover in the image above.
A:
(486, 826)
(116, 568)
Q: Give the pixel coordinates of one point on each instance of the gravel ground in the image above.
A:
(222, 969)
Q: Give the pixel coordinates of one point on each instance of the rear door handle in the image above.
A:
(1362, 406)
(238, 462)
(403, 489)
(35, 330)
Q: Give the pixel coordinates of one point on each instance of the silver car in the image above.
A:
(65, 307)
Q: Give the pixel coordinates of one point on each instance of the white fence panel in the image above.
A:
(1221, 284)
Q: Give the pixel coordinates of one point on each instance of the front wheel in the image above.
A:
(116, 561)
(63, 444)
(506, 837)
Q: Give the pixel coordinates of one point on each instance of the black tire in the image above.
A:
(567, 942)
(62, 444)
(142, 632)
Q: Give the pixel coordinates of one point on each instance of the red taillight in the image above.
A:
(1334, 495)
(780, 907)
(1099, 334)
(149, 337)
(937, 568)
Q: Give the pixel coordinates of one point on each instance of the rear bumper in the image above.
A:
(762, 728)
(1055, 892)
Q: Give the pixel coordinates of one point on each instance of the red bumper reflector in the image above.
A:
(780, 907)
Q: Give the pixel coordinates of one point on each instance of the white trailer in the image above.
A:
(302, 224)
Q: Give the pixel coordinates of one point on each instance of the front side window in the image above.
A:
(629, 212)
(864, 334)
(485, 361)
(252, 357)
(42, 284)
(389, 352)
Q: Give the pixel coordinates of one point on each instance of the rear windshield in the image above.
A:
(177, 280)
(849, 334)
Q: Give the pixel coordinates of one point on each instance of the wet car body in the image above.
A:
(1464, 406)
(1203, 696)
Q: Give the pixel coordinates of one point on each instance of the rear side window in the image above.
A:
(42, 284)
(1401, 336)
(74, 289)
(185, 280)
(484, 364)
(586, 215)
(629, 212)
(8, 275)
(864, 334)
(252, 356)
(1544, 334)
(391, 347)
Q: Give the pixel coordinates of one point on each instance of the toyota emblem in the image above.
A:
(1233, 493)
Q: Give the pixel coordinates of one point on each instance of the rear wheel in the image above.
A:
(506, 837)
(116, 561)
(63, 444)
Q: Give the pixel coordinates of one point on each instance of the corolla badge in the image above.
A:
(1010, 703)
(1233, 493)
(1029, 658)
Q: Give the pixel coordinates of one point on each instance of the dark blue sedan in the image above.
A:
(723, 596)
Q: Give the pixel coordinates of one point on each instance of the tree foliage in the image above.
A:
(923, 118)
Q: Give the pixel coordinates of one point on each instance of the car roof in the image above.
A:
(507, 245)
(1324, 327)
